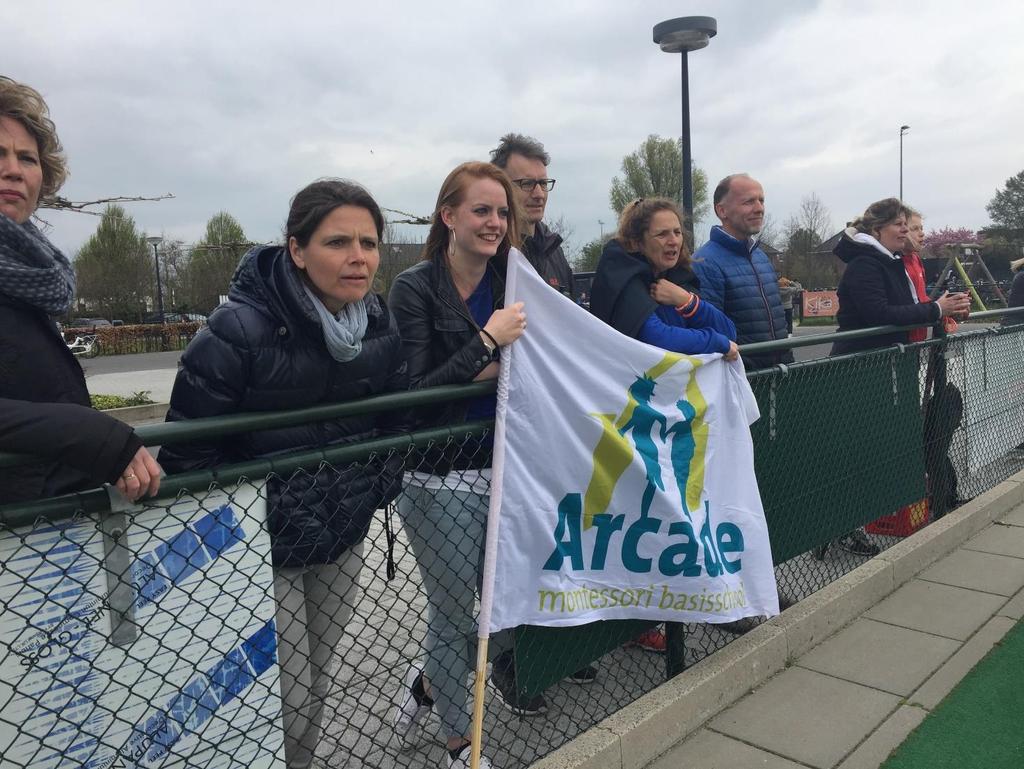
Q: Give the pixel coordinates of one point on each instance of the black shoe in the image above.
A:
(503, 681)
(585, 675)
(820, 551)
(857, 543)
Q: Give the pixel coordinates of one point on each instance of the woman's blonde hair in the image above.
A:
(26, 105)
(1016, 264)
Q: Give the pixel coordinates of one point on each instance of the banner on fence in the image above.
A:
(820, 304)
(624, 486)
(145, 639)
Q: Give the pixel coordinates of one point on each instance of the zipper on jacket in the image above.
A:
(764, 298)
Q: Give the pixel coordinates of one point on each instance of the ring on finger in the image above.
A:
(129, 476)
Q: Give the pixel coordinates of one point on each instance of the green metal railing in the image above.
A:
(859, 439)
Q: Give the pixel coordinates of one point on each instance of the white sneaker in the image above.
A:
(462, 762)
(410, 710)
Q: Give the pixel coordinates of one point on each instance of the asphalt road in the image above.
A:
(120, 364)
(813, 351)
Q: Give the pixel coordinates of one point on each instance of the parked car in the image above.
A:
(88, 323)
(175, 317)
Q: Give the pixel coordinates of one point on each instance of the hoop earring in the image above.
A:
(451, 243)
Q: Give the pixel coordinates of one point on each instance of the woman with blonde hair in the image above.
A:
(451, 313)
(44, 402)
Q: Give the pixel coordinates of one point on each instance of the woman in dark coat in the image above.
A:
(44, 403)
(301, 328)
(644, 287)
(875, 289)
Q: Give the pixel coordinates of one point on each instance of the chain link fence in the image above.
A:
(171, 635)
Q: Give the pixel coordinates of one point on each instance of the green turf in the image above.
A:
(981, 722)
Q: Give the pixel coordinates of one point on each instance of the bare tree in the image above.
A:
(568, 233)
(803, 232)
(58, 203)
(395, 256)
(770, 233)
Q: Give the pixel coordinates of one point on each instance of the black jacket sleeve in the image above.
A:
(417, 323)
(80, 437)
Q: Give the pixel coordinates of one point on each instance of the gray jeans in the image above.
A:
(314, 604)
(446, 531)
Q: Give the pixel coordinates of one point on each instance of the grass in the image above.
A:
(104, 402)
(824, 321)
(978, 726)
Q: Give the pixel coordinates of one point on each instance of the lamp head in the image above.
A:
(685, 34)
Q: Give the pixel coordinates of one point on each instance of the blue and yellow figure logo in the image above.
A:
(637, 431)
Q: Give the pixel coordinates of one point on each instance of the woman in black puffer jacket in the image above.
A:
(301, 328)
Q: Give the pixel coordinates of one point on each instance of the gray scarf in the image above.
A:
(32, 270)
(343, 333)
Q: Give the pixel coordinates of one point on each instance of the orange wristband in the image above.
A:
(690, 308)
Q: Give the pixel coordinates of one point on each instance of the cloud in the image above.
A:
(235, 108)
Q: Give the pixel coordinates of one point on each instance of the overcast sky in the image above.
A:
(235, 106)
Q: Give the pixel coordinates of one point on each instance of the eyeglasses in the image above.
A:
(527, 185)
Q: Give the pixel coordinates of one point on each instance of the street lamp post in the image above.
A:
(682, 35)
(903, 130)
(155, 241)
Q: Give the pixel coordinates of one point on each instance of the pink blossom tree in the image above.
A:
(936, 241)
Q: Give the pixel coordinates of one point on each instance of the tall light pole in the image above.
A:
(903, 130)
(682, 35)
(155, 241)
(601, 225)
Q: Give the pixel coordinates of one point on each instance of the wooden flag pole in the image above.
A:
(479, 687)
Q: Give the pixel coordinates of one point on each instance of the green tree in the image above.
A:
(590, 254)
(213, 262)
(655, 169)
(115, 269)
(1006, 209)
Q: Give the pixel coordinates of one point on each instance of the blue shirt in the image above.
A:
(707, 330)
(481, 305)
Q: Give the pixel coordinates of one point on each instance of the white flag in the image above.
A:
(624, 478)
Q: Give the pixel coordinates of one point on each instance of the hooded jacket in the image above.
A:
(264, 350)
(543, 250)
(875, 291)
(738, 278)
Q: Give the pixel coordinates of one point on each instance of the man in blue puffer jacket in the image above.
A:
(736, 275)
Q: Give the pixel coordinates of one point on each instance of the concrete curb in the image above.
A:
(645, 729)
(132, 414)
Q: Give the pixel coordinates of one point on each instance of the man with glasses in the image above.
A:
(526, 162)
